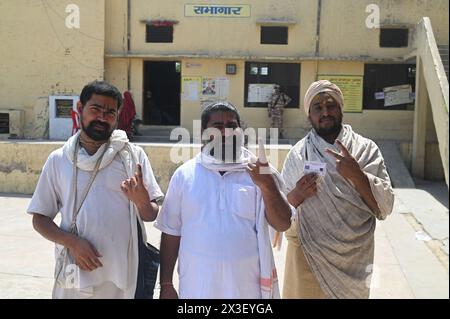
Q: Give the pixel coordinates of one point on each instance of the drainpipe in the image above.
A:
(319, 9)
(316, 53)
(128, 44)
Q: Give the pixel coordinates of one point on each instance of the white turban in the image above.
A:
(323, 86)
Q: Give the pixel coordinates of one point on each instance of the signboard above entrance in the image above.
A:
(217, 10)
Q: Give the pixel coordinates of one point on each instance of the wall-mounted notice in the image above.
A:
(260, 93)
(399, 94)
(352, 88)
(191, 87)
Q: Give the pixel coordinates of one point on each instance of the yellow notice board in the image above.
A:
(217, 10)
(352, 88)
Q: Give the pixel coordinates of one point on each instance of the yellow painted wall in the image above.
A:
(343, 30)
(344, 36)
(34, 62)
(214, 36)
(21, 162)
(376, 124)
(40, 56)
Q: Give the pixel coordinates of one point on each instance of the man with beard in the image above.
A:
(216, 214)
(331, 243)
(104, 187)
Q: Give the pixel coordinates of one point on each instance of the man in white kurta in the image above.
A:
(105, 219)
(216, 213)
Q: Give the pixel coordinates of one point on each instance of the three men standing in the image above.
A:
(219, 206)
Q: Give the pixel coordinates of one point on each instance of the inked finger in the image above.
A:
(262, 157)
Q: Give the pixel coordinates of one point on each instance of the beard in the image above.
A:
(230, 149)
(334, 129)
(96, 134)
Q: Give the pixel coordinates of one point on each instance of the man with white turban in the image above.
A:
(331, 243)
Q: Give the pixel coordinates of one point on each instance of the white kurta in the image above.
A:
(215, 215)
(104, 218)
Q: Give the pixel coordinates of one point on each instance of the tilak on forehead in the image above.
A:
(323, 86)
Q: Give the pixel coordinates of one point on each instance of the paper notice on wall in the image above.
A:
(191, 88)
(399, 94)
(260, 93)
(223, 87)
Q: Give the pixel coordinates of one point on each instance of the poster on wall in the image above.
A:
(209, 86)
(399, 94)
(223, 87)
(191, 88)
(260, 93)
(352, 88)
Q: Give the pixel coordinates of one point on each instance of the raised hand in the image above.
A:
(346, 164)
(260, 171)
(134, 188)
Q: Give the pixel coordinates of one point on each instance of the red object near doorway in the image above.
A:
(127, 114)
(75, 121)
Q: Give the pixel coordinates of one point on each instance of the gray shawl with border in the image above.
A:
(336, 227)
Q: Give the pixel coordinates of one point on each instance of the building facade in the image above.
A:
(175, 56)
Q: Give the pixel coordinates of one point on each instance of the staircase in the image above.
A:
(443, 52)
(431, 89)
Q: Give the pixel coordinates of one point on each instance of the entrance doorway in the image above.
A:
(162, 88)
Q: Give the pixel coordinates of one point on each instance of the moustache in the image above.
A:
(327, 118)
(104, 125)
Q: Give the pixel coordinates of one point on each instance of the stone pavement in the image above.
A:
(411, 250)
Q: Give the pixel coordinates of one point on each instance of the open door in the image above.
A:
(162, 89)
